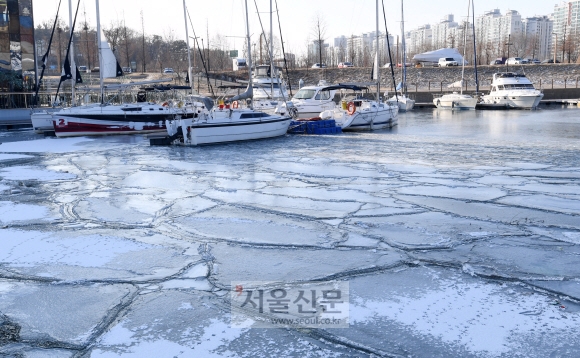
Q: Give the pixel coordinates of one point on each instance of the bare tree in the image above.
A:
(319, 33)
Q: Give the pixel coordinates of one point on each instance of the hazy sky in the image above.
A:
(226, 17)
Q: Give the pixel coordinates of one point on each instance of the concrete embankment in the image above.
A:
(559, 81)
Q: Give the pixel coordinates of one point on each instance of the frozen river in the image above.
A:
(458, 235)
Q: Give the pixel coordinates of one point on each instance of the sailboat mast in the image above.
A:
(99, 45)
(272, 73)
(376, 65)
(72, 54)
(249, 49)
(474, 47)
(464, 46)
(404, 60)
(188, 50)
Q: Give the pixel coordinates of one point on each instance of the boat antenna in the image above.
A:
(200, 55)
(45, 56)
(389, 50)
(67, 64)
(474, 48)
(283, 51)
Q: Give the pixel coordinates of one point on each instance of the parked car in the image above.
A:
(549, 60)
(447, 61)
(319, 65)
(496, 62)
(345, 64)
(126, 70)
(533, 61)
(407, 64)
(96, 69)
(516, 61)
(168, 70)
(83, 69)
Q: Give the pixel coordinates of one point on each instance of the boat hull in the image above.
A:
(368, 120)
(213, 133)
(518, 101)
(405, 104)
(455, 103)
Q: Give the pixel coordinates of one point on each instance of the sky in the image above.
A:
(226, 17)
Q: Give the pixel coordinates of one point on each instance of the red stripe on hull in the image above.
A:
(71, 129)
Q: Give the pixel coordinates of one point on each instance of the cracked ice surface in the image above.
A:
(459, 235)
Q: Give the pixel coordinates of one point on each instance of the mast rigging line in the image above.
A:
(389, 50)
(200, 53)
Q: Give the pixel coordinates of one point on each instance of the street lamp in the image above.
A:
(555, 45)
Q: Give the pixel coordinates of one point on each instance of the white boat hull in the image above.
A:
(196, 133)
(41, 121)
(405, 103)
(515, 101)
(456, 102)
(369, 119)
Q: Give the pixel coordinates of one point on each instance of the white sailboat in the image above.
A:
(457, 100)
(224, 123)
(360, 113)
(402, 99)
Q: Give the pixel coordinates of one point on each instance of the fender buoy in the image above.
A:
(165, 104)
(351, 108)
(235, 104)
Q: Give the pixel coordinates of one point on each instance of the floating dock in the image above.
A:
(322, 126)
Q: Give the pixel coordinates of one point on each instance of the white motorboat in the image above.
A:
(267, 86)
(310, 101)
(455, 101)
(359, 113)
(512, 90)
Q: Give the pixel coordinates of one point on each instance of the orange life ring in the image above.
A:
(165, 104)
(351, 108)
(235, 104)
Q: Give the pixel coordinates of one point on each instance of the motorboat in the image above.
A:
(455, 100)
(357, 113)
(268, 86)
(310, 101)
(512, 90)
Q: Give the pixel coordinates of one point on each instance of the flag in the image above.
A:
(78, 78)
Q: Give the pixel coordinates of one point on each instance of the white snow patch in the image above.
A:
(216, 335)
(11, 212)
(31, 173)
(13, 156)
(29, 248)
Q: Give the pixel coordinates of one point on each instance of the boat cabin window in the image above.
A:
(323, 95)
(254, 115)
(305, 94)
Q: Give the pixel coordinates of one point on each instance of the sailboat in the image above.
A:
(458, 100)
(225, 122)
(402, 99)
(104, 118)
(360, 113)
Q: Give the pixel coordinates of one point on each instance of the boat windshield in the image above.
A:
(305, 94)
(516, 86)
